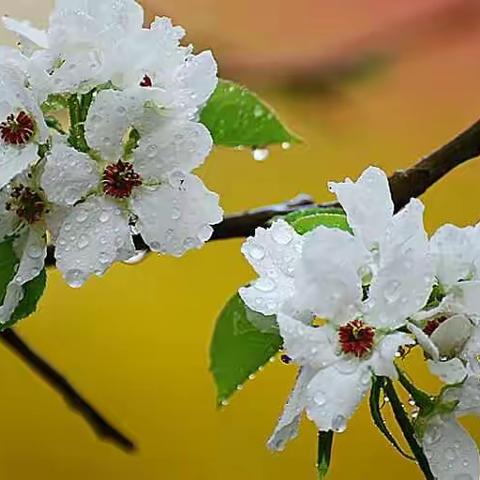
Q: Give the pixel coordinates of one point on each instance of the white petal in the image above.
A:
(9, 221)
(334, 394)
(451, 452)
(451, 335)
(383, 356)
(328, 280)
(109, 119)
(306, 345)
(471, 352)
(466, 298)
(404, 280)
(197, 78)
(452, 253)
(30, 37)
(287, 426)
(424, 341)
(451, 371)
(93, 236)
(467, 395)
(177, 215)
(368, 204)
(31, 250)
(274, 253)
(174, 145)
(68, 175)
(55, 218)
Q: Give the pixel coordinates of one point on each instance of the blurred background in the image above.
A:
(364, 82)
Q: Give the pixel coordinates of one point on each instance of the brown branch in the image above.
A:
(102, 427)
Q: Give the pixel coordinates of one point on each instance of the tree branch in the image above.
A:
(102, 427)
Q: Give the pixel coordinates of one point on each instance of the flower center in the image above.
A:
(17, 130)
(119, 179)
(146, 82)
(433, 324)
(356, 337)
(26, 203)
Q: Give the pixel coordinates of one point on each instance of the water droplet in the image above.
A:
(104, 216)
(257, 252)
(258, 111)
(176, 213)
(433, 435)
(450, 454)
(137, 258)
(81, 215)
(286, 145)
(265, 284)
(260, 154)
(392, 290)
(319, 398)
(35, 251)
(339, 424)
(82, 242)
(283, 236)
(74, 278)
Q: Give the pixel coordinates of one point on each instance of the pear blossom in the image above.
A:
(115, 190)
(358, 336)
(361, 287)
(22, 127)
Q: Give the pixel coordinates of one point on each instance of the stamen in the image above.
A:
(119, 179)
(433, 324)
(146, 82)
(28, 204)
(356, 337)
(17, 130)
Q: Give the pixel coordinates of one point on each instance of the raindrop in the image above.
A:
(286, 145)
(81, 216)
(260, 154)
(35, 251)
(137, 258)
(283, 236)
(82, 242)
(339, 424)
(257, 252)
(104, 216)
(74, 278)
(176, 213)
(319, 398)
(258, 111)
(265, 284)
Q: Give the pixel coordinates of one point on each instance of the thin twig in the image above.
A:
(102, 427)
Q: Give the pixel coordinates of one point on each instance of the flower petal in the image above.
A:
(451, 335)
(404, 280)
(335, 392)
(29, 37)
(451, 452)
(31, 249)
(328, 282)
(383, 357)
(68, 175)
(424, 341)
(368, 204)
(274, 253)
(307, 345)
(452, 254)
(176, 144)
(177, 215)
(467, 395)
(287, 426)
(451, 371)
(93, 236)
(465, 297)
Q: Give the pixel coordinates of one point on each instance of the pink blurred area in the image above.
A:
(284, 42)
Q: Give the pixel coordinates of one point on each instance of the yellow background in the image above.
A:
(136, 341)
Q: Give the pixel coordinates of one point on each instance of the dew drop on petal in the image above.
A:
(339, 424)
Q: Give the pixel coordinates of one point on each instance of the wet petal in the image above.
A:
(328, 281)
(287, 426)
(451, 371)
(177, 215)
(467, 395)
(274, 253)
(404, 280)
(29, 37)
(452, 253)
(424, 341)
(383, 357)
(307, 345)
(451, 452)
(31, 249)
(68, 175)
(335, 392)
(450, 336)
(93, 236)
(177, 144)
(368, 204)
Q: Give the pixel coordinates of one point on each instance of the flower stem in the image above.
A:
(407, 429)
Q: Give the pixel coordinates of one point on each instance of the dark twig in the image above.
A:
(102, 427)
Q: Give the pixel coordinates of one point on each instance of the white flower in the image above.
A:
(150, 187)
(273, 253)
(359, 337)
(451, 452)
(22, 127)
(25, 215)
(82, 38)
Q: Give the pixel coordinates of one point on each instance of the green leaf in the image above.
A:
(32, 292)
(237, 117)
(304, 221)
(8, 264)
(238, 348)
(325, 443)
(375, 392)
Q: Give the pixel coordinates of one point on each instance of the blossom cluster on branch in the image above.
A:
(351, 298)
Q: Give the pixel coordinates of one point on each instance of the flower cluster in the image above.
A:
(349, 303)
(124, 166)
